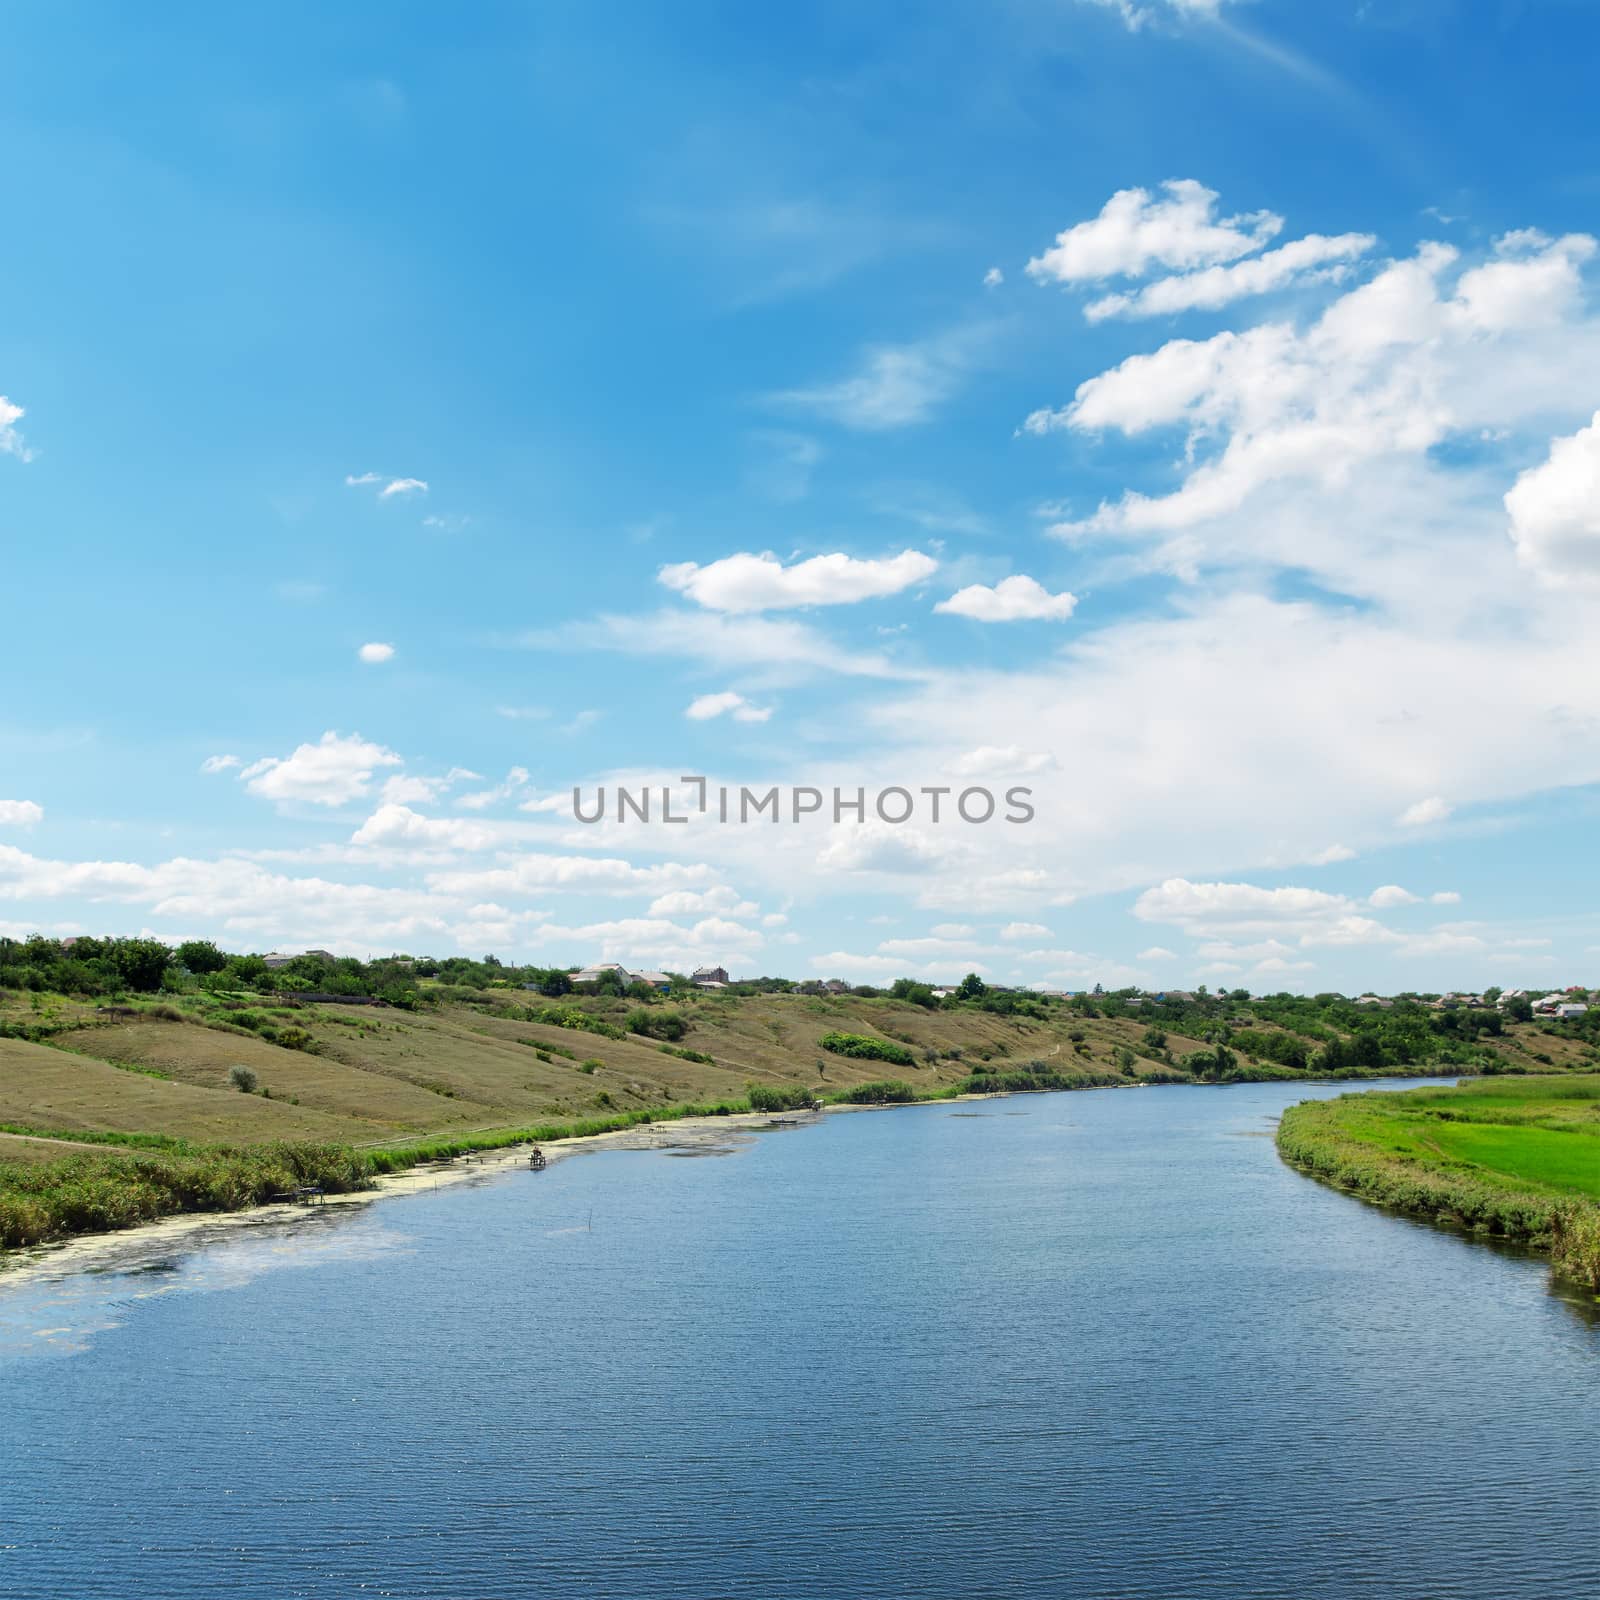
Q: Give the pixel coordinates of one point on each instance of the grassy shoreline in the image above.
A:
(1515, 1161)
(133, 1179)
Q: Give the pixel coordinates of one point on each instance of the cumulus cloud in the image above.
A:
(1156, 952)
(745, 582)
(11, 442)
(1015, 599)
(1555, 511)
(1137, 230)
(1424, 812)
(332, 772)
(20, 813)
(880, 847)
(1014, 931)
(220, 763)
(1239, 907)
(375, 652)
(1445, 897)
(394, 824)
(727, 703)
(1214, 287)
(719, 900)
(993, 278)
(1390, 895)
(1391, 369)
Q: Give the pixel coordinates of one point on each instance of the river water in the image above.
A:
(1100, 1344)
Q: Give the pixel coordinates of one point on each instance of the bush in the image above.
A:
(592, 1065)
(243, 1079)
(885, 1092)
(778, 1097)
(654, 1024)
(863, 1048)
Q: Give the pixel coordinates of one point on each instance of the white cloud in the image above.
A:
(1156, 952)
(1214, 287)
(522, 713)
(1014, 931)
(1424, 812)
(1330, 856)
(392, 487)
(1555, 511)
(745, 582)
(332, 772)
(707, 706)
(376, 652)
(951, 930)
(20, 813)
(1136, 230)
(539, 873)
(399, 825)
(993, 278)
(1014, 599)
(11, 442)
(1389, 371)
(1390, 895)
(1445, 897)
(1241, 907)
(875, 846)
(220, 763)
(720, 900)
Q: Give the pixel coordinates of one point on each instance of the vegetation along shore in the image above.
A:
(1511, 1158)
(138, 1081)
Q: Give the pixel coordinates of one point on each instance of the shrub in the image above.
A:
(593, 1064)
(863, 1048)
(243, 1079)
(885, 1092)
(778, 1097)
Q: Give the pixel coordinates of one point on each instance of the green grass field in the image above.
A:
(1517, 1158)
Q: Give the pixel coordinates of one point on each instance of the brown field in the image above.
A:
(378, 1075)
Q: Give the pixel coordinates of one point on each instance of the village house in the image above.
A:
(710, 978)
(279, 958)
(1571, 1011)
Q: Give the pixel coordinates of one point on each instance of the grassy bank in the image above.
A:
(113, 1181)
(1515, 1159)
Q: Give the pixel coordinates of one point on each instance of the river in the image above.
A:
(1100, 1344)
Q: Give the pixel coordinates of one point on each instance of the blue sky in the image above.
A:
(1183, 408)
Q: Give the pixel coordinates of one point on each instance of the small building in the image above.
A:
(595, 973)
(1571, 1011)
(710, 978)
(656, 980)
(836, 986)
(280, 958)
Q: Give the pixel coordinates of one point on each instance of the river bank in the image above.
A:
(465, 1157)
(1517, 1160)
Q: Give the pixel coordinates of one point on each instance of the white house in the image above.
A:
(1571, 1011)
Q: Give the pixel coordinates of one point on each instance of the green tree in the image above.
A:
(140, 963)
(971, 987)
(201, 956)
